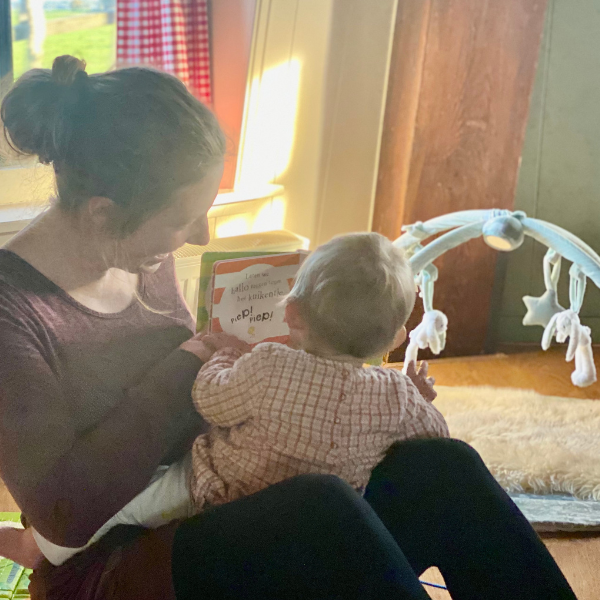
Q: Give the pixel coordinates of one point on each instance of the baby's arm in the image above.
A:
(226, 384)
(18, 544)
(421, 418)
(421, 380)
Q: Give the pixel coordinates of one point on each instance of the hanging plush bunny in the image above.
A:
(431, 332)
(566, 325)
(585, 369)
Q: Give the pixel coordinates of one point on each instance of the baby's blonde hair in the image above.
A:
(355, 293)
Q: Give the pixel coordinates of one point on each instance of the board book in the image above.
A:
(245, 296)
(206, 273)
(14, 579)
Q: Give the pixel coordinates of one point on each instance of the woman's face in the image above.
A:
(183, 221)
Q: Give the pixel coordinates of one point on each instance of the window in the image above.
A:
(43, 29)
(34, 32)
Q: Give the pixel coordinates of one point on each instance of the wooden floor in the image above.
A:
(578, 555)
(545, 372)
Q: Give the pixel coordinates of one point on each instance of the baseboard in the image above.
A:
(517, 347)
(523, 347)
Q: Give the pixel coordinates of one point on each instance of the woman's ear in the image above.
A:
(101, 211)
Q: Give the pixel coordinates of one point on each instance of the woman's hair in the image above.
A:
(133, 135)
(355, 293)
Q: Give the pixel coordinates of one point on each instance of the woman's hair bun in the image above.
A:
(65, 69)
(36, 112)
(134, 135)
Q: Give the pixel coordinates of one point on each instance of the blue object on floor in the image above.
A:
(434, 585)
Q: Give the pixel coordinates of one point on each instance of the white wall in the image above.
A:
(317, 89)
(284, 106)
(357, 76)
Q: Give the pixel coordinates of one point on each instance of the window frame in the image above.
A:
(6, 53)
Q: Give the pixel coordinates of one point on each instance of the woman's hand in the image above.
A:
(19, 545)
(423, 383)
(204, 345)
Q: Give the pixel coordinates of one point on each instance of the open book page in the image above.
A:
(247, 296)
(205, 283)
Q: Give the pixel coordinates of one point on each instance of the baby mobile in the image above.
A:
(505, 231)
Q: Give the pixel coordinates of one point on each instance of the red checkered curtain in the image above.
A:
(172, 35)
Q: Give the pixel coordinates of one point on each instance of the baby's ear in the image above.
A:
(400, 338)
(293, 317)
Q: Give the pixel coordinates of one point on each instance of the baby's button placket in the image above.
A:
(343, 406)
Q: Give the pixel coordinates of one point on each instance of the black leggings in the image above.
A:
(429, 503)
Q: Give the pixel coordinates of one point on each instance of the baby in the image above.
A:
(280, 411)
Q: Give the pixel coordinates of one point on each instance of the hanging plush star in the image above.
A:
(541, 310)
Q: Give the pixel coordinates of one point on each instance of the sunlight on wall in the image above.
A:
(232, 226)
(270, 125)
(269, 217)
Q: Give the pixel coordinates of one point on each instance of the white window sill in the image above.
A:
(13, 217)
(268, 190)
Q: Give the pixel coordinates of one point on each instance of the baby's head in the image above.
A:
(352, 296)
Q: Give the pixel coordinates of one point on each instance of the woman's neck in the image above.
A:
(62, 252)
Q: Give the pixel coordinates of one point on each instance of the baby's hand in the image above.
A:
(204, 345)
(423, 383)
(218, 341)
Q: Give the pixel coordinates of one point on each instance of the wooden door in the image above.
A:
(460, 83)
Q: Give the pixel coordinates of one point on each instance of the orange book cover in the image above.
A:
(247, 295)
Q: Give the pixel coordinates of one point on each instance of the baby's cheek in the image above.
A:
(295, 339)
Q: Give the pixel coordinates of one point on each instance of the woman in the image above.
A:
(96, 369)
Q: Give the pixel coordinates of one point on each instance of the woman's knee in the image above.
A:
(426, 471)
(326, 498)
(320, 486)
(452, 450)
(432, 455)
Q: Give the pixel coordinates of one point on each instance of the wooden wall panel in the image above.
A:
(404, 88)
(477, 62)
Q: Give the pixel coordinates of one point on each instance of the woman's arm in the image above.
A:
(68, 483)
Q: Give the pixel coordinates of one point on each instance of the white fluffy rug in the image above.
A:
(531, 443)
